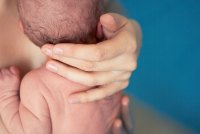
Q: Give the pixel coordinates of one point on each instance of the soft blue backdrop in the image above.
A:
(168, 75)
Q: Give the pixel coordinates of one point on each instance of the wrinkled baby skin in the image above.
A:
(42, 106)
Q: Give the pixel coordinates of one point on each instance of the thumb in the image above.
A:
(112, 23)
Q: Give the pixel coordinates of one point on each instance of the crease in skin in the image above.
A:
(28, 110)
(20, 122)
(4, 96)
(7, 104)
(43, 97)
(20, 114)
(44, 94)
(10, 100)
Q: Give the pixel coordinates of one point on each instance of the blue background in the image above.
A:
(168, 75)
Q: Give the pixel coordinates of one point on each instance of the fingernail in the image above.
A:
(52, 68)
(73, 100)
(47, 51)
(58, 51)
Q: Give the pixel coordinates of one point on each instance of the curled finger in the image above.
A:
(124, 62)
(87, 78)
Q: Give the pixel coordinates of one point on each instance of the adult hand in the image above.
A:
(125, 124)
(106, 66)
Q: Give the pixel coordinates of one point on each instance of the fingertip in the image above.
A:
(118, 123)
(47, 49)
(51, 66)
(125, 101)
(107, 20)
(117, 127)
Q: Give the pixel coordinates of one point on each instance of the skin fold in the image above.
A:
(43, 107)
(27, 56)
(40, 104)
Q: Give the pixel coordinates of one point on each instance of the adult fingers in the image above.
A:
(98, 93)
(123, 42)
(117, 127)
(130, 63)
(112, 23)
(87, 78)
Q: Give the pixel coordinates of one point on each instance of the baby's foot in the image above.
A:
(9, 80)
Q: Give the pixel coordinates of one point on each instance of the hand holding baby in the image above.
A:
(107, 66)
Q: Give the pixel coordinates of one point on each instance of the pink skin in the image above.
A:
(43, 107)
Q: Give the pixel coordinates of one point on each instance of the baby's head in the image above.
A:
(60, 21)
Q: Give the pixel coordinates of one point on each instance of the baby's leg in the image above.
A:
(9, 99)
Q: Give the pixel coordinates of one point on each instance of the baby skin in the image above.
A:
(42, 106)
(39, 104)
